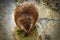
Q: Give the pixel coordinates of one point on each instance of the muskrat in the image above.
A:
(25, 16)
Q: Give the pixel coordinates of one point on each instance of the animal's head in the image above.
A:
(25, 25)
(26, 16)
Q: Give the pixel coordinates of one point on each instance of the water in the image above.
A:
(6, 20)
(7, 23)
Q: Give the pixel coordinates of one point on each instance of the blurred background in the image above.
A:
(49, 9)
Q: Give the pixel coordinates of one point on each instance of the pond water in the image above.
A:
(7, 23)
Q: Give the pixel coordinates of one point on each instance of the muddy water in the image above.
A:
(7, 23)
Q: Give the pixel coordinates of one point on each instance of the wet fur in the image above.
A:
(27, 14)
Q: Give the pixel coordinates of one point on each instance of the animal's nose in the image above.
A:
(26, 26)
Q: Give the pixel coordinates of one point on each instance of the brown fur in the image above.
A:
(26, 14)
